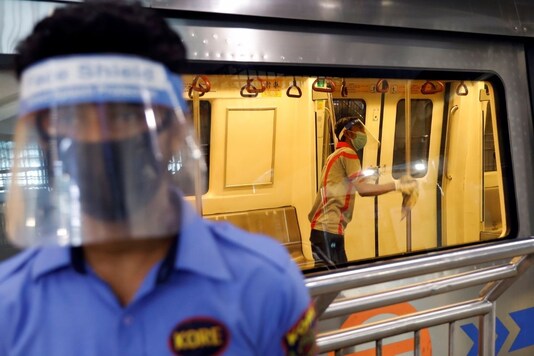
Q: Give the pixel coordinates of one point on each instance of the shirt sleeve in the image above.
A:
(8, 324)
(3, 336)
(299, 338)
(287, 319)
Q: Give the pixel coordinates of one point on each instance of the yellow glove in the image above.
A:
(410, 193)
(408, 202)
(406, 185)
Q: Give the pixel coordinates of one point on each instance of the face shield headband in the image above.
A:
(101, 130)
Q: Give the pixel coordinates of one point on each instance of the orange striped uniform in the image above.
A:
(334, 203)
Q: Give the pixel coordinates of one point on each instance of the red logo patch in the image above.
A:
(199, 336)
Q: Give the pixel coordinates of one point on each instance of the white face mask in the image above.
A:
(359, 140)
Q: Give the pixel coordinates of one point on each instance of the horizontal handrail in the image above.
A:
(331, 341)
(420, 290)
(411, 267)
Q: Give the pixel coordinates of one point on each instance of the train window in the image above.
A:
(420, 124)
(271, 136)
(286, 137)
(33, 175)
(349, 107)
(6, 162)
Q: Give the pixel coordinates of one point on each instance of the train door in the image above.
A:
(417, 230)
(462, 166)
(494, 212)
(473, 205)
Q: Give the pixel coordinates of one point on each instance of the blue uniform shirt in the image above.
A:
(226, 292)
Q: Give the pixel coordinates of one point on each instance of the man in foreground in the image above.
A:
(119, 263)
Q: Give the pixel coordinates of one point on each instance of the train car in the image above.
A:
(443, 90)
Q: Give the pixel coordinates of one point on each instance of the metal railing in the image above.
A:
(507, 260)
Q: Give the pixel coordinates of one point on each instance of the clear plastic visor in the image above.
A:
(89, 172)
(355, 127)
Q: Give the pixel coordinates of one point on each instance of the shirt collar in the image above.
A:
(196, 251)
(197, 248)
(341, 144)
(50, 258)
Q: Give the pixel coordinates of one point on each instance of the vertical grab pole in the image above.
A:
(332, 117)
(408, 155)
(198, 171)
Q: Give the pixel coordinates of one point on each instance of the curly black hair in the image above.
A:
(102, 27)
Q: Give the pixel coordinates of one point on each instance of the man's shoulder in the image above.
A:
(262, 264)
(262, 248)
(15, 277)
(343, 152)
(17, 264)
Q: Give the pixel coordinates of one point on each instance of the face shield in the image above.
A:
(359, 135)
(362, 138)
(93, 146)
